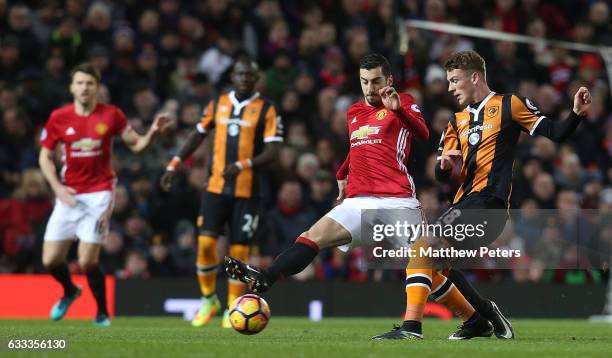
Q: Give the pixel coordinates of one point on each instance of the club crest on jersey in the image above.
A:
(492, 111)
(381, 114)
(364, 131)
(101, 128)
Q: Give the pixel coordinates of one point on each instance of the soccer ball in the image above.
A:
(249, 314)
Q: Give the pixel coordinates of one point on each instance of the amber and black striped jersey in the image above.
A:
(241, 129)
(487, 134)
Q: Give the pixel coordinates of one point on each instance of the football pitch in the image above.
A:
(298, 337)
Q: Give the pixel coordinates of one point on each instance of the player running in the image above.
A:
(484, 136)
(247, 134)
(85, 193)
(374, 176)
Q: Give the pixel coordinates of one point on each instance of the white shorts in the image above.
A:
(87, 221)
(348, 213)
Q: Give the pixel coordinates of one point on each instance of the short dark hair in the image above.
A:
(246, 59)
(468, 60)
(87, 68)
(374, 60)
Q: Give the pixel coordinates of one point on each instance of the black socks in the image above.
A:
(293, 260)
(413, 327)
(481, 305)
(97, 284)
(62, 275)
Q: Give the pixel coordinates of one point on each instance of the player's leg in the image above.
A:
(485, 307)
(214, 212)
(91, 230)
(419, 274)
(59, 236)
(54, 260)
(89, 254)
(325, 233)
(493, 211)
(244, 223)
(474, 325)
(419, 270)
(419, 280)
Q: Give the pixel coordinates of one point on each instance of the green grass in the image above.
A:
(297, 337)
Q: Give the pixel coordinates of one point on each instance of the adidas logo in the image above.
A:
(354, 120)
(70, 131)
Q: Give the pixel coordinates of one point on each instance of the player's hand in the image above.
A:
(161, 122)
(166, 179)
(582, 101)
(341, 188)
(66, 195)
(231, 171)
(449, 158)
(390, 98)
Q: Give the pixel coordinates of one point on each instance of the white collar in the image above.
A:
(239, 105)
(476, 111)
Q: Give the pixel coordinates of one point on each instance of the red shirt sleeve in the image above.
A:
(343, 170)
(49, 135)
(120, 121)
(411, 116)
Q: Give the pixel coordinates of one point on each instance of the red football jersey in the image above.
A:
(87, 145)
(380, 146)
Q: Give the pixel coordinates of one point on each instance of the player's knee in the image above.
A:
(326, 239)
(50, 261)
(87, 263)
(207, 246)
(312, 235)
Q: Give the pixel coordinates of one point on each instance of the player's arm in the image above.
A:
(448, 152)
(49, 139)
(47, 165)
(137, 142)
(408, 113)
(559, 131)
(341, 176)
(273, 137)
(195, 138)
(531, 120)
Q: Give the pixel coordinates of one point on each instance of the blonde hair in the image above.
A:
(29, 177)
(468, 60)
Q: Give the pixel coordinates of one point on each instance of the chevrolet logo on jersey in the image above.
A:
(364, 132)
(86, 144)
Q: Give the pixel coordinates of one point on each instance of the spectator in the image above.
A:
(135, 266)
(322, 192)
(288, 220)
(174, 55)
(112, 256)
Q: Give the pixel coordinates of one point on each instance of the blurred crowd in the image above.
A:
(175, 55)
